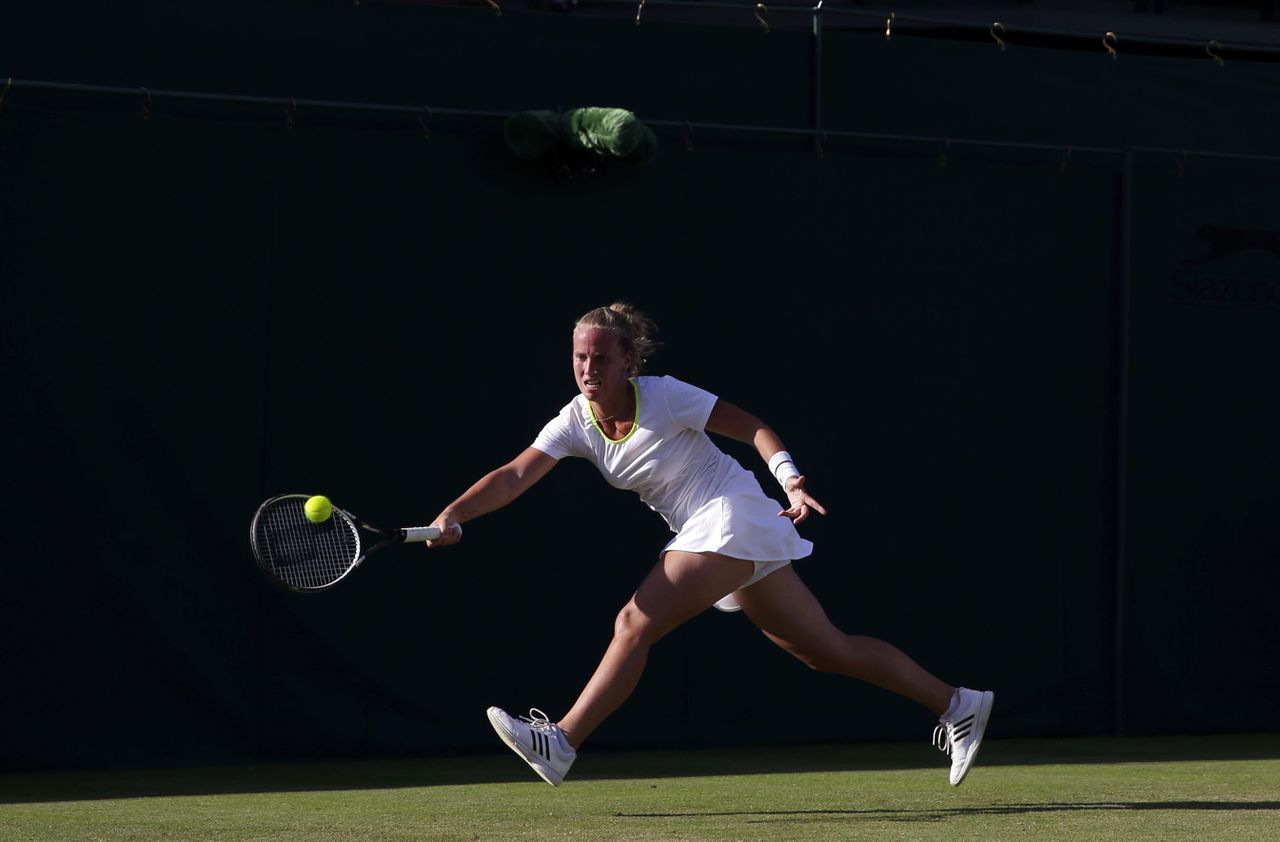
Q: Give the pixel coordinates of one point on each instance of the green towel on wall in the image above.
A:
(610, 131)
(604, 132)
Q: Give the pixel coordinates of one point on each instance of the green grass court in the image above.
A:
(1195, 788)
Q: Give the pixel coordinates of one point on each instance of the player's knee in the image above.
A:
(633, 624)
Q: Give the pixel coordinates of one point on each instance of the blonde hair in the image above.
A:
(636, 331)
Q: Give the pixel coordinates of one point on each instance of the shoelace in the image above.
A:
(538, 721)
(942, 737)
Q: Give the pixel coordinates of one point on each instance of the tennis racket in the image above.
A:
(303, 556)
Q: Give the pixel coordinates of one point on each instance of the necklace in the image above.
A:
(601, 419)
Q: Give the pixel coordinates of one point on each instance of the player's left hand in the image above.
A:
(801, 502)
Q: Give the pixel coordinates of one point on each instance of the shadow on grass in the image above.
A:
(605, 765)
(940, 814)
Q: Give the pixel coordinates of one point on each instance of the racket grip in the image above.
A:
(418, 534)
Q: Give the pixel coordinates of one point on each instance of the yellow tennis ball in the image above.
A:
(318, 509)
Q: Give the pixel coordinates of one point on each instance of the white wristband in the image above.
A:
(782, 468)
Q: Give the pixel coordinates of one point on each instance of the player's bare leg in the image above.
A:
(791, 616)
(681, 586)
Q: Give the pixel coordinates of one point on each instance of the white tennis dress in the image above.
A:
(711, 502)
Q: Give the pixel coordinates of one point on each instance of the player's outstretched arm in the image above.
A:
(491, 492)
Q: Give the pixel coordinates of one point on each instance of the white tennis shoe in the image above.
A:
(539, 741)
(960, 734)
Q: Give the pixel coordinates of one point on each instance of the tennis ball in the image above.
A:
(318, 509)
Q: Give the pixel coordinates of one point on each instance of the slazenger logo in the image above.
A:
(1221, 242)
(1208, 289)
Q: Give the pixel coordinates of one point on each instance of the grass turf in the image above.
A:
(1225, 787)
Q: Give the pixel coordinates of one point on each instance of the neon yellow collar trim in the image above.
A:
(635, 422)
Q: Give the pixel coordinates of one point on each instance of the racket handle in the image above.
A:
(418, 534)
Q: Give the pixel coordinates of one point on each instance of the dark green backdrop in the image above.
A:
(1034, 386)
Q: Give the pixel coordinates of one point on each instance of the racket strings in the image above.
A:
(300, 553)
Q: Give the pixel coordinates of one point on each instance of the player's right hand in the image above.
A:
(450, 533)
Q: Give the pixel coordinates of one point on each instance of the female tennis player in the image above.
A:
(732, 548)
